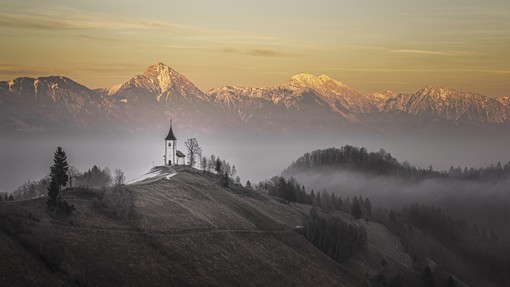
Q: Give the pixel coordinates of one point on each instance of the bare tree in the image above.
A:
(233, 171)
(108, 175)
(73, 173)
(199, 157)
(193, 150)
(203, 163)
(118, 178)
(211, 164)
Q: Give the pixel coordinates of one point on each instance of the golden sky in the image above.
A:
(371, 45)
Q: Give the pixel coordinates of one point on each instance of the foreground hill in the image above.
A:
(181, 229)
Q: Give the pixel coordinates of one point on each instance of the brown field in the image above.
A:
(183, 231)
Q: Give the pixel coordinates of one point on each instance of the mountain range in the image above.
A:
(320, 103)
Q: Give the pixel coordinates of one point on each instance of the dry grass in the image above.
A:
(185, 230)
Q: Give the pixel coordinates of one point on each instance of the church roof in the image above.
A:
(180, 154)
(170, 136)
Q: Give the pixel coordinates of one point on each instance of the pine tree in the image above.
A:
(226, 179)
(60, 168)
(53, 193)
(248, 184)
(59, 178)
(218, 166)
(11, 198)
(356, 210)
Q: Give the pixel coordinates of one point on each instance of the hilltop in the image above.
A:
(182, 229)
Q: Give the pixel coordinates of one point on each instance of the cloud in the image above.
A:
(432, 52)
(55, 21)
(261, 52)
(21, 70)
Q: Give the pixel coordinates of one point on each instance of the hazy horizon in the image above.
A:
(256, 158)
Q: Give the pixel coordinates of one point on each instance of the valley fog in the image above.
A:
(256, 157)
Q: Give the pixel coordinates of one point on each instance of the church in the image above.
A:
(172, 155)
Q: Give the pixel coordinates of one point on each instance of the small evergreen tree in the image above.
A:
(218, 166)
(226, 179)
(248, 184)
(11, 198)
(53, 193)
(356, 210)
(60, 168)
(203, 163)
(59, 178)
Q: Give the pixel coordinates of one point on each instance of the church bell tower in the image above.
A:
(170, 147)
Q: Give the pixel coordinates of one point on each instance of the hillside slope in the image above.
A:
(183, 230)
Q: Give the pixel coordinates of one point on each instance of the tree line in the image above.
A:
(95, 177)
(289, 190)
(337, 238)
(4, 196)
(383, 163)
(471, 252)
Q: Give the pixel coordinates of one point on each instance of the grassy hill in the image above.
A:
(182, 229)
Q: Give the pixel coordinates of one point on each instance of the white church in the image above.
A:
(172, 155)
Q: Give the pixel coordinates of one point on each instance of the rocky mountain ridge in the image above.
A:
(316, 102)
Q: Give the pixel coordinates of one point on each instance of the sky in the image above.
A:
(371, 45)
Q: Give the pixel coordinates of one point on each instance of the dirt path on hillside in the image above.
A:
(169, 232)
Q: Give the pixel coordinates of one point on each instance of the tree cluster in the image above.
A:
(32, 189)
(490, 173)
(334, 236)
(290, 190)
(4, 196)
(357, 159)
(94, 178)
(383, 163)
(470, 252)
(219, 166)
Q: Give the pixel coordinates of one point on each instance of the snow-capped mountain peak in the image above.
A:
(309, 80)
(505, 100)
(162, 76)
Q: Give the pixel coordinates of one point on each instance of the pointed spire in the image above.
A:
(170, 136)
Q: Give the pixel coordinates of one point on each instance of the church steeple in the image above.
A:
(170, 147)
(170, 136)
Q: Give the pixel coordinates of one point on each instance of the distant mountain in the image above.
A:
(29, 104)
(283, 108)
(450, 105)
(505, 100)
(158, 84)
(338, 95)
(148, 100)
(316, 103)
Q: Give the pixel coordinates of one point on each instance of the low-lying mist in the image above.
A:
(257, 156)
(484, 203)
